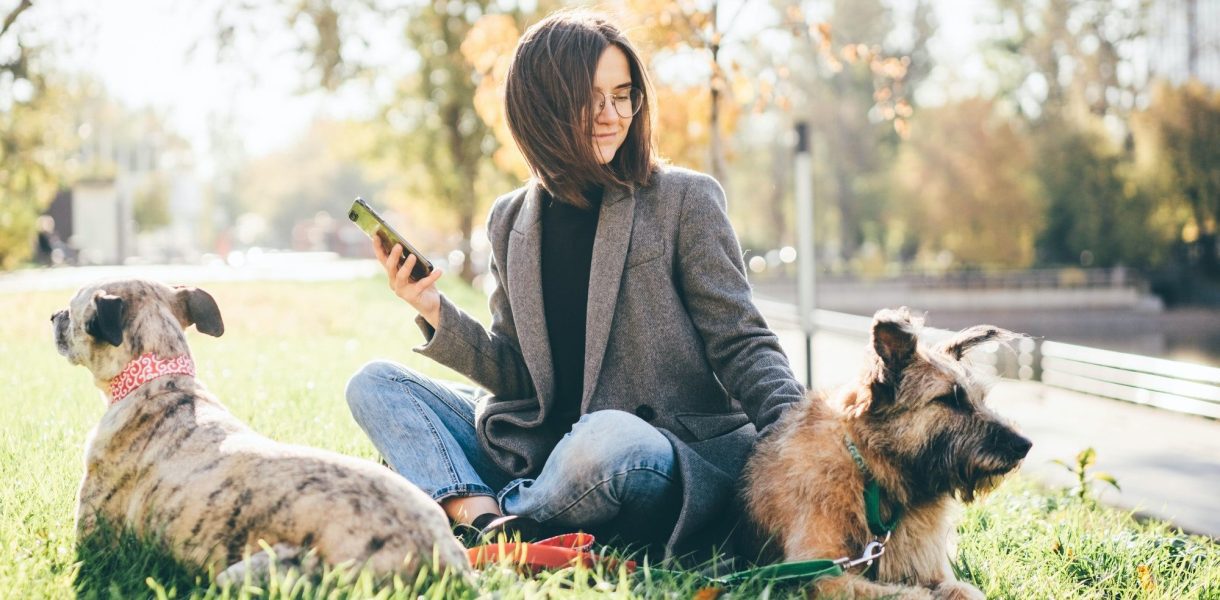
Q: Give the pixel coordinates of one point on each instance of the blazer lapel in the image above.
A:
(524, 277)
(605, 274)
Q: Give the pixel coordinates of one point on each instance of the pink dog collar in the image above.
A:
(145, 369)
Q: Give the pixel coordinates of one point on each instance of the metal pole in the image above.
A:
(804, 234)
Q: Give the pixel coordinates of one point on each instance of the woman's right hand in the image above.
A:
(422, 294)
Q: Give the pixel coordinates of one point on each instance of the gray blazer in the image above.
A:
(672, 335)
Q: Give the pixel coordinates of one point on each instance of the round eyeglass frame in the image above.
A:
(601, 99)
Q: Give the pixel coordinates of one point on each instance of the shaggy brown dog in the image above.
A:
(168, 459)
(918, 421)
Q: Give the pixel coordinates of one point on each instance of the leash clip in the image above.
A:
(872, 551)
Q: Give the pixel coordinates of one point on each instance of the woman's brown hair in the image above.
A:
(548, 95)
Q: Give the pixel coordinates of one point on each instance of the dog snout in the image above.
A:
(1013, 445)
(59, 330)
(1021, 446)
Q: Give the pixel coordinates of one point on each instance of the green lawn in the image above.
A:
(281, 367)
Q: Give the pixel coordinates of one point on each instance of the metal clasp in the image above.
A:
(872, 551)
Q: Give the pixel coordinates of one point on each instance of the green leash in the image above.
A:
(812, 570)
(872, 496)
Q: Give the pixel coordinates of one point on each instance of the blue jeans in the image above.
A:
(612, 474)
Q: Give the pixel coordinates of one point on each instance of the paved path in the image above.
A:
(1168, 464)
(287, 266)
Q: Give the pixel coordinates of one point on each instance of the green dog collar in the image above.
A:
(872, 495)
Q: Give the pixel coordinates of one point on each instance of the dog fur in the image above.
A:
(918, 419)
(171, 461)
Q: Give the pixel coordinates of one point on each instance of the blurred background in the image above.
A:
(1050, 166)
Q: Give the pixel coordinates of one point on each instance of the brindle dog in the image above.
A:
(169, 460)
(918, 421)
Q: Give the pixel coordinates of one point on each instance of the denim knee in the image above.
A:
(617, 441)
(366, 389)
(610, 461)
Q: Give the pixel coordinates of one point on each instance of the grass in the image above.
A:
(281, 367)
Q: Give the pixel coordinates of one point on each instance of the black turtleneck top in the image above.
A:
(567, 253)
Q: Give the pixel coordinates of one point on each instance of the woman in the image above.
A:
(627, 371)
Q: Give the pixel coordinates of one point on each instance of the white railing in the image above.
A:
(1173, 385)
(1167, 384)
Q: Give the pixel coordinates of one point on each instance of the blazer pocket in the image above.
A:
(705, 426)
(522, 411)
(645, 247)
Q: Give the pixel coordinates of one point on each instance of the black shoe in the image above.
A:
(467, 535)
(511, 528)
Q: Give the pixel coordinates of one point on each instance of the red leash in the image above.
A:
(552, 553)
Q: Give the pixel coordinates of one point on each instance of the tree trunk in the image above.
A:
(781, 176)
(715, 144)
(467, 167)
(466, 223)
(849, 234)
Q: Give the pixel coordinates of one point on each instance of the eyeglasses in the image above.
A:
(625, 105)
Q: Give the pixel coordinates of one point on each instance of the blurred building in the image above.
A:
(136, 198)
(95, 220)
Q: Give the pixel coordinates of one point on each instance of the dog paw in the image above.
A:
(232, 576)
(852, 586)
(956, 590)
(258, 567)
(905, 594)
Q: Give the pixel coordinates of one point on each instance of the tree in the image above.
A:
(320, 174)
(1095, 216)
(32, 130)
(430, 127)
(447, 135)
(835, 64)
(28, 176)
(150, 205)
(488, 48)
(1073, 69)
(1062, 55)
(854, 94)
(964, 177)
(1175, 140)
(702, 30)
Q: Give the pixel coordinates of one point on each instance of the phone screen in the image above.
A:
(376, 228)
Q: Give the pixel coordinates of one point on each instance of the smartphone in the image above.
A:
(372, 224)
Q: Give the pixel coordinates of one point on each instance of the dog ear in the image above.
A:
(958, 345)
(894, 338)
(199, 308)
(106, 324)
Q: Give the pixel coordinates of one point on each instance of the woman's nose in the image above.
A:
(604, 116)
(607, 114)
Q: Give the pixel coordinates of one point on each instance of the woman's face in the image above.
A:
(613, 77)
